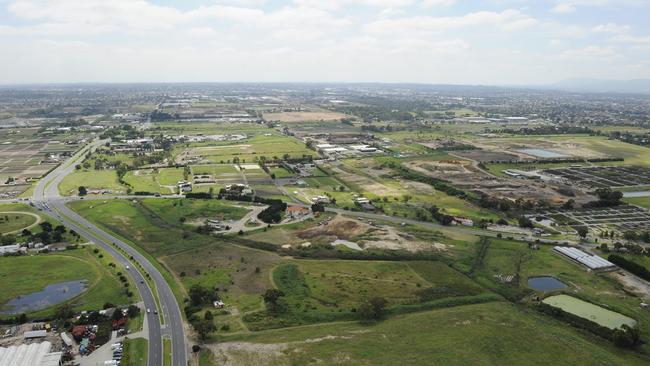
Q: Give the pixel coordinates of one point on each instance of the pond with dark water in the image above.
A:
(49, 296)
(545, 283)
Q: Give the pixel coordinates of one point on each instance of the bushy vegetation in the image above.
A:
(633, 267)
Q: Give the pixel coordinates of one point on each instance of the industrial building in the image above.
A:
(592, 262)
(35, 354)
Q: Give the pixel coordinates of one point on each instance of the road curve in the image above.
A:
(46, 197)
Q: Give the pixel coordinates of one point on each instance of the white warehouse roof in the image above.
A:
(591, 261)
(35, 354)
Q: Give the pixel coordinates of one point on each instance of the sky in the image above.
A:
(495, 42)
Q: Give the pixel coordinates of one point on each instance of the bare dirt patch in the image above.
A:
(339, 227)
(304, 116)
(245, 353)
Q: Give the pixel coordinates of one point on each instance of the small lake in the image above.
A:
(541, 153)
(50, 295)
(545, 283)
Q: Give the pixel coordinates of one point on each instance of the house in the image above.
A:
(236, 191)
(321, 199)
(184, 187)
(297, 212)
(361, 200)
(463, 221)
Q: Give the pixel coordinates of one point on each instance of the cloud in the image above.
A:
(507, 20)
(589, 53)
(563, 8)
(611, 28)
(432, 3)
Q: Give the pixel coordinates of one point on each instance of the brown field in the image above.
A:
(304, 116)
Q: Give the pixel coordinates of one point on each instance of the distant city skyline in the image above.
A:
(495, 42)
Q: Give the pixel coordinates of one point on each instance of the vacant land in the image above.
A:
(245, 151)
(93, 180)
(163, 180)
(304, 116)
(13, 221)
(485, 334)
(27, 274)
(326, 290)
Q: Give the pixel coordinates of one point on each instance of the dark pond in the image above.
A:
(51, 295)
(545, 283)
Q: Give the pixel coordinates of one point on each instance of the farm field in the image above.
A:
(496, 333)
(24, 154)
(30, 274)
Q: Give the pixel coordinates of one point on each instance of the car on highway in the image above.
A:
(148, 310)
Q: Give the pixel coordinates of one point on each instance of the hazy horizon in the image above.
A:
(497, 42)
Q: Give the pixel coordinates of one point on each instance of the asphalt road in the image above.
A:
(46, 197)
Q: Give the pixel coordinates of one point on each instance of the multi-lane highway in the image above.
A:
(46, 197)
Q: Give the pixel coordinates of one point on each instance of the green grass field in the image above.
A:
(92, 180)
(141, 225)
(174, 210)
(496, 333)
(281, 172)
(167, 352)
(639, 201)
(329, 290)
(11, 221)
(135, 352)
(27, 274)
(247, 151)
